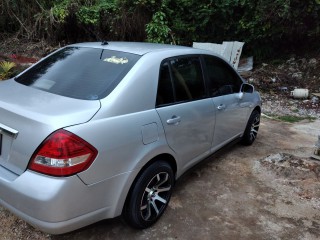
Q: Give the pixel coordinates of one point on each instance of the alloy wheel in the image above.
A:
(255, 127)
(155, 196)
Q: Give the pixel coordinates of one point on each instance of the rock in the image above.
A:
(291, 69)
(297, 75)
(303, 60)
(315, 100)
(313, 62)
(251, 80)
(291, 60)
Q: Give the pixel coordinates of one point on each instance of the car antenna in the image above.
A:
(104, 43)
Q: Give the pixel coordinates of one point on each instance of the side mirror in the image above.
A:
(246, 88)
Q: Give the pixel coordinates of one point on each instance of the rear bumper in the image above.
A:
(59, 205)
(59, 227)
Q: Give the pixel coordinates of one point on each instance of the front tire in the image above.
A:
(252, 128)
(149, 195)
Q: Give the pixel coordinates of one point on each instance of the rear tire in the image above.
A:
(149, 195)
(252, 128)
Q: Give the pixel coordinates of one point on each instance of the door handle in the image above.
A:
(221, 107)
(174, 120)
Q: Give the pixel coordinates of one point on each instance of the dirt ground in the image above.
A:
(270, 190)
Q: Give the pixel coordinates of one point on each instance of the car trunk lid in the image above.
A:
(29, 115)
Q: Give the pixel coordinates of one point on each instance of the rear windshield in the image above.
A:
(80, 72)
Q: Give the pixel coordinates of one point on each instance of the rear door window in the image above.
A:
(80, 72)
(180, 80)
(187, 78)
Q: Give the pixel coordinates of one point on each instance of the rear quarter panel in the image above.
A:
(120, 145)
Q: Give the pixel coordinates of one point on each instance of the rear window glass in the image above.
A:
(80, 72)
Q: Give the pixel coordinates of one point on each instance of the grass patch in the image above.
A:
(291, 119)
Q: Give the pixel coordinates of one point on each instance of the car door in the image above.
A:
(231, 111)
(185, 110)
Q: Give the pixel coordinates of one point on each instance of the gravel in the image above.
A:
(275, 81)
(283, 105)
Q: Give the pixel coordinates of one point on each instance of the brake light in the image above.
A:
(62, 154)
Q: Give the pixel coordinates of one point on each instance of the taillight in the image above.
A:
(62, 154)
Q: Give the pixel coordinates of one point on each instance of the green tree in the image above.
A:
(267, 26)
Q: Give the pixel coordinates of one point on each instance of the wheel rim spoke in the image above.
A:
(256, 126)
(148, 212)
(157, 197)
(163, 189)
(253, 136)
(164, 180)
(155, 207)
(143, 207)
(254, 131)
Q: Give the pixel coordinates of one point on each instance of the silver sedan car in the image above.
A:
(100, 130)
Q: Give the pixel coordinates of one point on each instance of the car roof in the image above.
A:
(139, 48)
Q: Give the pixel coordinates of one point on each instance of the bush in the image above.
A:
(267, 26)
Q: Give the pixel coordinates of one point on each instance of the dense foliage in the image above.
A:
(265, 25)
